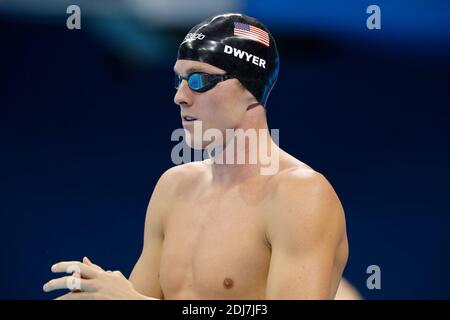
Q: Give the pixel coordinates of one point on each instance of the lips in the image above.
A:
(189, 118)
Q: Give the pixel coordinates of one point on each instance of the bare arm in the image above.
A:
(96, 283)
(347, 291)
(308, 239)
(145, 275)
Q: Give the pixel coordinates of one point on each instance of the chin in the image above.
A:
(194, 141)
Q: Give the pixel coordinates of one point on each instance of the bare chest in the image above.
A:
(215, 248)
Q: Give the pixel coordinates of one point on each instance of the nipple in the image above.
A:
(228, 283)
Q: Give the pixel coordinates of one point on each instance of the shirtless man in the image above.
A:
(225, 231)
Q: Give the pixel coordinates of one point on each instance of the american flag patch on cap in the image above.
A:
(247, 31)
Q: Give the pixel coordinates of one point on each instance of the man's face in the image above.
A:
(222, 107)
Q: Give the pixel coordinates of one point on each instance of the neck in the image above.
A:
(241, 159)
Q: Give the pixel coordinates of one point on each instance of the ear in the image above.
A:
(253, 105)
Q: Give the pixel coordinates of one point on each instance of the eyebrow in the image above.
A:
(191, 70)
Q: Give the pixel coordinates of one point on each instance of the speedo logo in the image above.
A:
(194, 36)
(241, 54)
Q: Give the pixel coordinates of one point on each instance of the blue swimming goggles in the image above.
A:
(201, 81)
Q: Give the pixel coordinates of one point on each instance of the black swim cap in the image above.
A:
(238, 44)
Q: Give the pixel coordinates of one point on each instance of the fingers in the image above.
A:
(71, 283)
(118, 273)
(86, 271)
(89, 262)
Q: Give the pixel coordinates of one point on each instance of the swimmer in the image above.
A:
(220, 230)
(347, 291)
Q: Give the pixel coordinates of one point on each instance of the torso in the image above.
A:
(215, 244)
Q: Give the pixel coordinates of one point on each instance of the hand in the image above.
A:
(90, 282)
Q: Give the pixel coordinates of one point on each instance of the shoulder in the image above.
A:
(302, 183)
(175, 179)
(185, 171)
(305, 184)
(171, 186)
(306, 203)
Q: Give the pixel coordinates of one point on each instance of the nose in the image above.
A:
(183, 96)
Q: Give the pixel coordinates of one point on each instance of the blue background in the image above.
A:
(86, 118)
